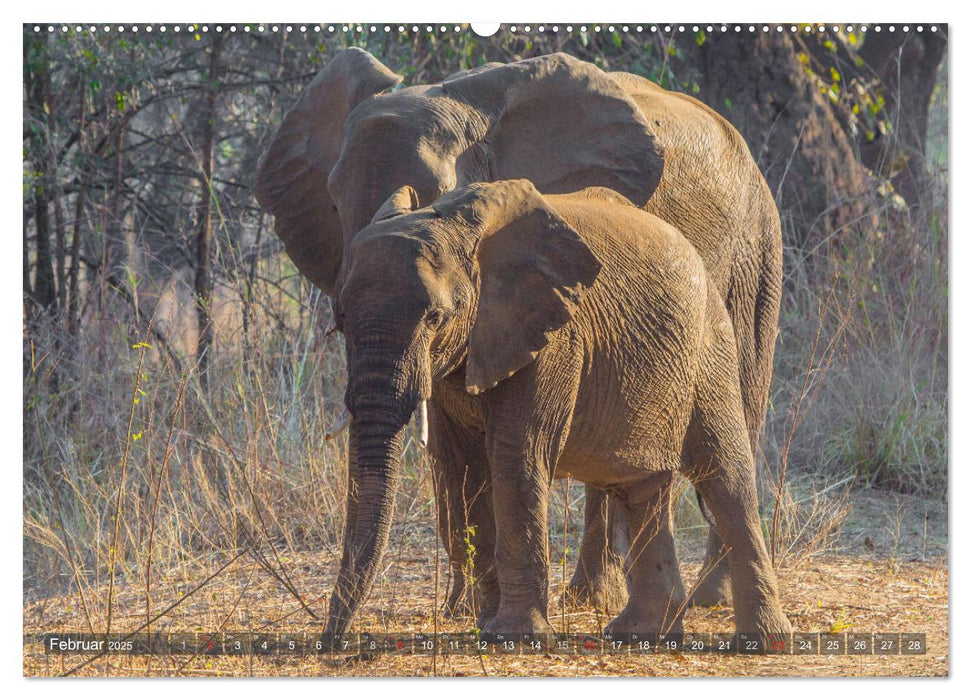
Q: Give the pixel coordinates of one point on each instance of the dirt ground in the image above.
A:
(886, 573)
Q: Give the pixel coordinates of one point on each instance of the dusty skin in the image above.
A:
(560, 335)
(887, 572)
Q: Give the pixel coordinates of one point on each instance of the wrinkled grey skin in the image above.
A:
(565, 125)
(565, 335)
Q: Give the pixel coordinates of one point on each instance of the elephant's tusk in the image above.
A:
(338, 425)
(423, 423)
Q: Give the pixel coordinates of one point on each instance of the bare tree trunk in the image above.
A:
(907, 65)
(794, 133)
(44, 291)
(73, 303)
(59, 248)
(115, 250)
(203, 277)
(45, 294)
(28, 288)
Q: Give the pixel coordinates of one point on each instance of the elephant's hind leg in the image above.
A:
(657, 599)
(753, 305)
(718, 460)
(599, 579)
(714, 585)
(463, 495)
(730, 493)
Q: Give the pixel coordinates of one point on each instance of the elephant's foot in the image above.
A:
(459, 603)
(638, 619)
(604, 587)
(480, 601)
(482, 608)
(508, 623)
(487, 604)
(715, 587)
(765, 618)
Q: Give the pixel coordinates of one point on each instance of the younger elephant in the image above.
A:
(559, 335)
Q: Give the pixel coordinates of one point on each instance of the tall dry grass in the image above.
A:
(134, 473)
(877, 308)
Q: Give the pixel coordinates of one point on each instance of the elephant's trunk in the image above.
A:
(380, 413)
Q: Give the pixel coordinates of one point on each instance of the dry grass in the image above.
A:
(870, 313)
(852, 590)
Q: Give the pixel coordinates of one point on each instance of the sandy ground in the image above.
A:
(887, 573)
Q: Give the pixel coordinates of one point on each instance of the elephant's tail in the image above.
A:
(705, 513)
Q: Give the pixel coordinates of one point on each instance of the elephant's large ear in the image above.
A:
(533, 270)
(564, 124)
(292, 179)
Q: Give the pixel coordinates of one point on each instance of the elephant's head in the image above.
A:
(345, 147)
(476, 283)
(292, 179)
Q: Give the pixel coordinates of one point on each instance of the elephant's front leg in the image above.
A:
(600, 579)
(521, 483)
(526, 431)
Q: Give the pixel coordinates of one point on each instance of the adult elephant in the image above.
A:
(348, 144)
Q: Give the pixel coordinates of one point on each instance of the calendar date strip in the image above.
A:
(366, 643)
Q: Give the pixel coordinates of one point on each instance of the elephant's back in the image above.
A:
(633, 245)
(679, 120)
(711, 186)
